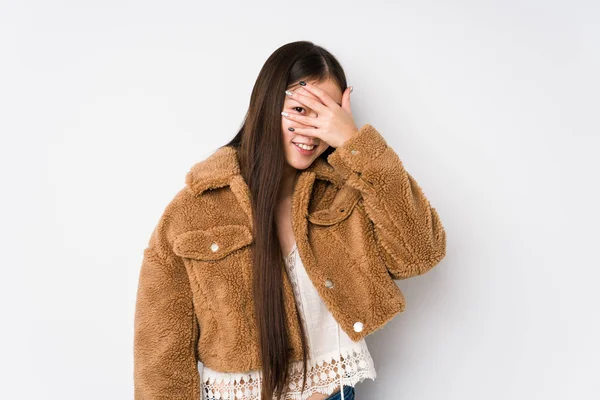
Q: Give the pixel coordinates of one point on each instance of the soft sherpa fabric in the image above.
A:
(359, 219)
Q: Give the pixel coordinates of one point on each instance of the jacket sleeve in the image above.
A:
(409, 234)
(166, 330)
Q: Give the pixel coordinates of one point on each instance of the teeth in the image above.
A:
(305, 147)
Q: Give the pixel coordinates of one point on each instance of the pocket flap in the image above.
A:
(341, 207)
(213, 243)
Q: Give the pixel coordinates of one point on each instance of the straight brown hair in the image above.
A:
(261, 157)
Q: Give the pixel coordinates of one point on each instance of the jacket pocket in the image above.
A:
(341, 207)
(213, 243)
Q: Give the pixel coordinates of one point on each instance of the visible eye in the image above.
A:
(296, 108)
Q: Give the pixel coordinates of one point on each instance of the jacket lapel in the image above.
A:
(222, 168)
(300, 204)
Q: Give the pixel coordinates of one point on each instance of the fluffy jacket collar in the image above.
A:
(219, 168)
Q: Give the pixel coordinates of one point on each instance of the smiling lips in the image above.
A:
(305, 146)
(305, 149)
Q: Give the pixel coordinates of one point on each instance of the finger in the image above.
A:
(310, 131)
(298, 124)
(322, 95)
(313, 104)
(346, 99)
(308, 94)
(302, 119)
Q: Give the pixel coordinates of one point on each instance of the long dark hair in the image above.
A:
(261, 156)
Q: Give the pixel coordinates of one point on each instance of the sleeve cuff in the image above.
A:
(358, 152)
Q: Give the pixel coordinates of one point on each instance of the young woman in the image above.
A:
(278, 256)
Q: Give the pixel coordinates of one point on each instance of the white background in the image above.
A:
(492, 106)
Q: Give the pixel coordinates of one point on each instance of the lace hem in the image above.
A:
(323, 376)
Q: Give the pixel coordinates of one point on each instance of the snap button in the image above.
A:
(328, 283)
(353, 152)
(358, 326)
(214, 247)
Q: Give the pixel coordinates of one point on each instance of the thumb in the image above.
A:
(346, 99)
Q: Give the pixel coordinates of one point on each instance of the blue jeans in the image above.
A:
(348, 394)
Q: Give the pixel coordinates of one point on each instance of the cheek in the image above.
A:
(322, 147)
(287, 134)
(285, 124)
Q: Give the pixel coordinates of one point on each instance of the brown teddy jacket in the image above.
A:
(360, 222)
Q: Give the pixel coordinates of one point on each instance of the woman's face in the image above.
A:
(295, 156)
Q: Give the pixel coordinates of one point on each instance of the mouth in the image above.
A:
(305, 146)
(304, 149)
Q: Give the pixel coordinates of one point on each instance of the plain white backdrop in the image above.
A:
(491, 105)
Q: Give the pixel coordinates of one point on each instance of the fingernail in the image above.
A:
(291, 129)
(351, 89)
(285, 114)
(302, 83)
(289, 93)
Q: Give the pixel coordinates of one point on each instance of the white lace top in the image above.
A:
(328, 346)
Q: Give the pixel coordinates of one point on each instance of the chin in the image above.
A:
(300, 164)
